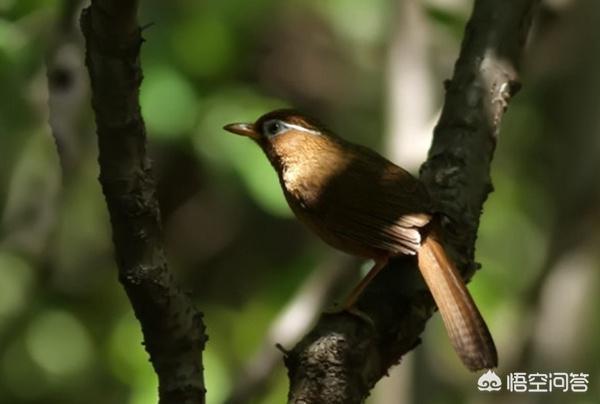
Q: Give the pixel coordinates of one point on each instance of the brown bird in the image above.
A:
(360, 203)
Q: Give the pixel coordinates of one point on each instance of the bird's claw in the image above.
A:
(352, 310)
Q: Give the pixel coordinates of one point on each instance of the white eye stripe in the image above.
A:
(299, 128)
(276, 127)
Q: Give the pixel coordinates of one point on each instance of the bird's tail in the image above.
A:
(468, 332)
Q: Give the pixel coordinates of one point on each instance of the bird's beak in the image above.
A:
(242, 129)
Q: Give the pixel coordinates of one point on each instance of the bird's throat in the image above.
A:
(307, 165)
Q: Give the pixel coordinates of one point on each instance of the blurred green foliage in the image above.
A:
(66, 328)
(172, 118)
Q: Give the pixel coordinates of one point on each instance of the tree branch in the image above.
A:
(173, 329)
(343, 357)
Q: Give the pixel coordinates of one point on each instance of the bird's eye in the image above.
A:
(273, 127)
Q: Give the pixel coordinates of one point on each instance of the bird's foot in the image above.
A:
(352, 310)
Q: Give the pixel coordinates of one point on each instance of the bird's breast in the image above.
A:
(306, 163)
(303, 184)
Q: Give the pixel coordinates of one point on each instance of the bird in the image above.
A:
(361, 203)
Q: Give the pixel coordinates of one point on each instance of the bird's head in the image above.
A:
(290, 139)
(275, 124)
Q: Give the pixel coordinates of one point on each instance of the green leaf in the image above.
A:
(204, 46)
(58, 343)
(168, 103)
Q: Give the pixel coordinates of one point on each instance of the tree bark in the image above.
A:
(343, 357)
(173, 329)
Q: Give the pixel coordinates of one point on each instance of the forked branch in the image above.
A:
(343, 357)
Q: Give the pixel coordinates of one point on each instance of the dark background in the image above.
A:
(373, 72)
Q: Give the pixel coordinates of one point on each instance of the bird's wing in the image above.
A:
(377, 204)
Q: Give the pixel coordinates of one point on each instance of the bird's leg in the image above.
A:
(358, 289)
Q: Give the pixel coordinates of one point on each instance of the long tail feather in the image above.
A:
(466, 328)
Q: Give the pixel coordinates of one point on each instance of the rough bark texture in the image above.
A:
(173, 329)
(343, 357)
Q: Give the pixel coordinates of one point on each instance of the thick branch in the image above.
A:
(343, 357)
(173, 329)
